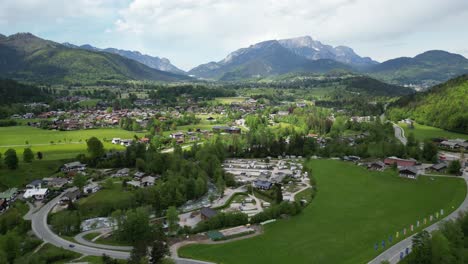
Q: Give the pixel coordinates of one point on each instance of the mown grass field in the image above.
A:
(422, 132)
(57, 144)
(353, 209)
(57, 148)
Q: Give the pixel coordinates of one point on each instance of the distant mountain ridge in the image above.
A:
(263, 59)
(162, 64)
(24, 56)
(428, 68)
(313, 49)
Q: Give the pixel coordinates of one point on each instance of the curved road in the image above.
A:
(400, 133)
(393, 253)
(43, 232)
(80, 239)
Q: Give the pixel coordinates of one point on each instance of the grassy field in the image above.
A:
(27, 172)
(57, 144)
(229, 100)
(422, 132)
(353, 210)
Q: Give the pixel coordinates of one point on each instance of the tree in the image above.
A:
(172, 217)
(159, 250)
(454, 167)
(79, 181)
(430, 151)
(138, 253)
(39, 155)
(11, 160)
(28, 155)
(95, 147)
(440, 249)
(278, 193)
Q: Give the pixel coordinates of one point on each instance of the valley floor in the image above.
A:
(354, 209)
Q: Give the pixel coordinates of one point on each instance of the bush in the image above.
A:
(275, 211)
(222, 220)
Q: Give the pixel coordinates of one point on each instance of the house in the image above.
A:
(148, 181)
(207, 213)
(409, 172)
(34, 184)
(73, 166)
(400, 162)
(126, 142)
(36, 193)
(139, 174)
(116, 141)
(177, 135)
(70, 196)
(439, 167)
(133, 183)
(55, 182)
(226, 129)
(283, 113)
(9, 195)
(263, 185)
(91, 188)
(351, 158)
(121, 173)
(454, 144)
(378, 166)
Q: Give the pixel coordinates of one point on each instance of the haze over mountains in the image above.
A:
(162, 64)
(24, 56)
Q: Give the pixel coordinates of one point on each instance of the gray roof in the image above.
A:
(409, 169)
(208, 212)
(439, 166)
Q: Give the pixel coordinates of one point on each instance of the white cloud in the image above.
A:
(190, 32)
(224, 25)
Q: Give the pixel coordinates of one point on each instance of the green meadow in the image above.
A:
(354, 208)
(422, 132)
(57, 147)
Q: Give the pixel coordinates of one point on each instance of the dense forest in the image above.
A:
(444, 106)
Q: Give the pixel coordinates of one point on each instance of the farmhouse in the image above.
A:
(378, 166)
(36, 193)
(122, 172)
(400, 162)
(73, 166)
(34, 184)
(454, 144)
(408, 172)
(70, 196)
(438, 167)
(207, 213)
(91, 188)
(148, 181)
(55, 182)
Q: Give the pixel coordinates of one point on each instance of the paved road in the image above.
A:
(79, 238)
(400, 134)
(393, 253)
(43, 232)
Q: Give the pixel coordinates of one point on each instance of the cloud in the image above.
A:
(190, 32)
(224, 25)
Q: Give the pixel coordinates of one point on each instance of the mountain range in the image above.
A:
(26, 57)
(304, 54)
(162, 64)
(263, 59)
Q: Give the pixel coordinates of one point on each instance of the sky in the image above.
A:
(192, 32)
